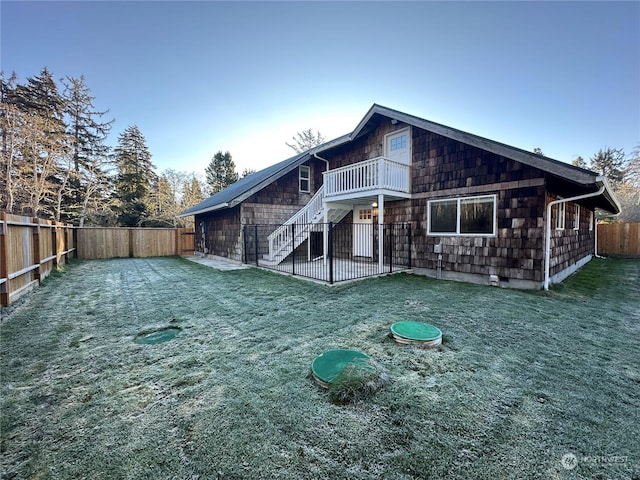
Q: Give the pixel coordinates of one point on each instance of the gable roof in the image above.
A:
(245, 187)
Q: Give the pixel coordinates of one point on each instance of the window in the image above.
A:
(590, 220)
(560, 215)
(576, 217)
(304, 179)
(398, 143)
(365, 214)
(463, 216)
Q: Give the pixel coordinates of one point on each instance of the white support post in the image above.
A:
(380, 233)
(325, 236)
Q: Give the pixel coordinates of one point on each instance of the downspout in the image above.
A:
(547, 239)
(595, 228)
(323, 159)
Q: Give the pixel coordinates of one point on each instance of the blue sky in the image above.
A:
(198, 77)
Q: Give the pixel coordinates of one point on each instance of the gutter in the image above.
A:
(323, 159)
(547, 240)
(204, 210)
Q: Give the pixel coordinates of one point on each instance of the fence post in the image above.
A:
(256, 243)
(330, 253)
(293, 248)
(244, 243)
(130, 242)
(35, 239)
(391, 225)
(4, 270)
(409, 234)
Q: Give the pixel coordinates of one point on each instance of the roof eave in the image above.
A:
(204, 210)
(609, 195)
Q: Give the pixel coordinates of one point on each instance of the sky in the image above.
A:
(244, 77)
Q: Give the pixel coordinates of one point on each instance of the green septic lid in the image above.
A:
(157, 336)
(418, 331)
(327, 366)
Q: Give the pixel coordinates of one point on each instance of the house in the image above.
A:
(476, 210)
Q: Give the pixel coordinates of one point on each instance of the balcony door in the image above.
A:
(363, 231)
(397, 146)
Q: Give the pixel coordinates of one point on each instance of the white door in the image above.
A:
(398, 146)
(363, 231)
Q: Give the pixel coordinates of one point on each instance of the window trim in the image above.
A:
(561, 215)
(301, 179)
(576, 216)
(401, 131)
(459, 200)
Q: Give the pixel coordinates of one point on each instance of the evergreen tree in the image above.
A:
(10, 126)
(221, 172)
(247, 171)
(192, 192)
(42, 172)
(611, 163)
(579, 162)
(88, 133)
(136, 176)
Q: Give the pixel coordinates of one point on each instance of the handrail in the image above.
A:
(281, 236)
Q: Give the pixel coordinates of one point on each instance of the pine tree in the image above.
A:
(44, 149)
(88, 133)
(192, 192)
(611, 163)
(579, 162)
(136, 176)
(10, 125)
(221, 172)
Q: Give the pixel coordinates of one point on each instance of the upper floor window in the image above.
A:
(560, 216)
(398, 143)
(304, 179)
(463, 216)
(576, 217)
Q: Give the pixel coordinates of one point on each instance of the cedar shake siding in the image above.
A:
(444, 168)
(222, 233)
(570, 246)
(445, 164)
(272, 205)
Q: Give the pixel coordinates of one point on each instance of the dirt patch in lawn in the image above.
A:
(522, 378)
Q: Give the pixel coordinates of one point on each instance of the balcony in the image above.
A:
(366, 179)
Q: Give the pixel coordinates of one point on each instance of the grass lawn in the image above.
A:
(522, 379)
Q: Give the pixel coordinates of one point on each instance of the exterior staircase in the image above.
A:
(290, 235)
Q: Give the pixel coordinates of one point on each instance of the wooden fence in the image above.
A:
(30, 248)
(619, 239)
(101, 242)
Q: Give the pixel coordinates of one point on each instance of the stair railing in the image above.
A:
(282, 236)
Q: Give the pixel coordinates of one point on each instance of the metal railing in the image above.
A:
(333, 252)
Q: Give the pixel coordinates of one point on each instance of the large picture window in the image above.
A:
(463, 216)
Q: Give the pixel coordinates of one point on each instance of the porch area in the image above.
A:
(344, 189)
(331, 252)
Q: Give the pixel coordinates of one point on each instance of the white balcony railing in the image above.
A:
(375, 174)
